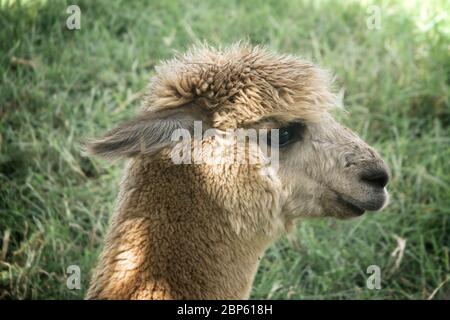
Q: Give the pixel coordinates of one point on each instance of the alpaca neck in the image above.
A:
(169, 240)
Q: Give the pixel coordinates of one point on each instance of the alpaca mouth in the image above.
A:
(350, 206)
(354, 207)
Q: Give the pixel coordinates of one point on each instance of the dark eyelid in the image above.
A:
(295, 129)
(299, 127)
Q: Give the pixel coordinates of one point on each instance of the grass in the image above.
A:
(58, 86)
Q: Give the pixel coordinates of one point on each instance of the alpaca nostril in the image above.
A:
(377, 178)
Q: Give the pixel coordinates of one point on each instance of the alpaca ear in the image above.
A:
(147, 133)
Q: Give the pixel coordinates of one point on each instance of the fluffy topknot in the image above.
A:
(241, 84)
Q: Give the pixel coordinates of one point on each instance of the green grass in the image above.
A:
(59, 86)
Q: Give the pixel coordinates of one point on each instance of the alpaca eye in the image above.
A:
(288, 134)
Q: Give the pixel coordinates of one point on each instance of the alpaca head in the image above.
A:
(324, 169)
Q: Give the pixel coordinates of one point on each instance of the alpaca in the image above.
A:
(198, 230)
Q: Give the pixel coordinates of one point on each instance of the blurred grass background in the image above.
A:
(58, 86)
